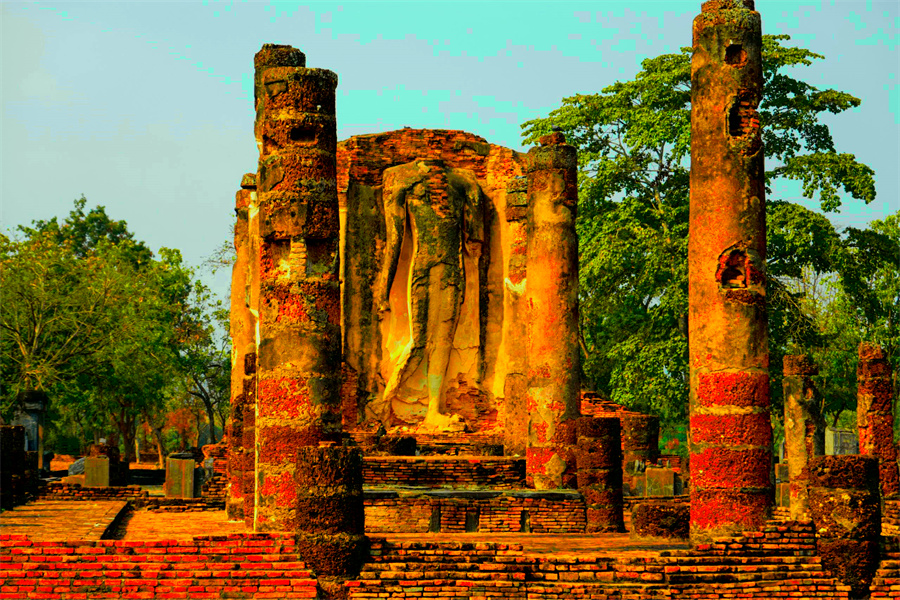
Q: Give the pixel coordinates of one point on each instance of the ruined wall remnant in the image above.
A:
(804, 428)
(428, 256)
(731, 436)
(875, 414)
(845, 509)
(599, 461)
(243, 351)
(299, 361)
(551, 296)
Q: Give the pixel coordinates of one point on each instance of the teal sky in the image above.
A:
(146, 107)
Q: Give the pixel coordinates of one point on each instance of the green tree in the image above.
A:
(95, 320)
(633, 140)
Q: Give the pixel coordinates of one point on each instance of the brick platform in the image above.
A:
(500, 472)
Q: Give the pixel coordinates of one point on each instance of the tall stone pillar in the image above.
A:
(875, 414)
(843, 503)
(599, 460)
(514, 416)
(243, 345)
(804, 429)
(731, 435)
(299, 362)
(551, 297)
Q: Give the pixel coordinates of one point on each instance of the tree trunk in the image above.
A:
(157, 435)
(211, 415)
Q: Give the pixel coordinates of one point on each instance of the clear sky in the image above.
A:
(146, 107)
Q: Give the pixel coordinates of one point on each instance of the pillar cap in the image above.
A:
(870, 351)
(717, 5)
(277, 55)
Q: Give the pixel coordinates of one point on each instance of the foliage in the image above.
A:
(94, 319)
(633, 141)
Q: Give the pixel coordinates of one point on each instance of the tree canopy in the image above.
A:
(111, 333)
(633, 141)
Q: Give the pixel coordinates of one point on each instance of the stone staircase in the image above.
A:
(438, 569)
(492, 570)
(886, 583)
(776, 562)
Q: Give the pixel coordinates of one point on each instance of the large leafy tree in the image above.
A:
(633, 141)
(95, 320)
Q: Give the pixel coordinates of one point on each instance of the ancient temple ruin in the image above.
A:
(405, 375)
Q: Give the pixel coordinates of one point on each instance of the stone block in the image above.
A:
(660, 481)
(180, 478)
(96, 471)
(783, 494)
(840, 442)
(781, 473)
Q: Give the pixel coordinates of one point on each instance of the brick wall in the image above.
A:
(75, 491)
(484, 471)
(245, 566)
(497, 513)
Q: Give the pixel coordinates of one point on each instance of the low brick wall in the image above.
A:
(245, 566)
(75, 491)
(444, 471)
(160, 505)
(496, 512)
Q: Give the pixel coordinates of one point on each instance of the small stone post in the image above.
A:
(804, 428)
(599, 460)
(875, 414)
(730, 431)
(243, 343)
(846, 512)
(299, 360)
(551, 298)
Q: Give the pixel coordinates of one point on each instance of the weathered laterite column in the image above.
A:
(846, 512)
(298, 400)
(551, 299)
(640, 443)
(327, 514)
(599, 461)
(804, 428)
(731, 435)
(875, 414)
(514, 416)
(243, 342)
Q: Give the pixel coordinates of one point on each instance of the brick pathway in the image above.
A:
(146, 525)
(61, 520)
(58, 520)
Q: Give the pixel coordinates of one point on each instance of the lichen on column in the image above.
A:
(299, 357)
(875, 414)
(551, 298)
(731, 435)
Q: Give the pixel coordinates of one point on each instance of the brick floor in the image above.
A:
(61, 520)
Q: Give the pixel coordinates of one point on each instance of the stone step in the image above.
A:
(805, 577)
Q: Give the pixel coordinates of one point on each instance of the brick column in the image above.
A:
(299, 362)
(731, 435)
(875, 414)
(599, 461)
(845, 509)
(551, 299)
(243, 342)
(804, 428)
